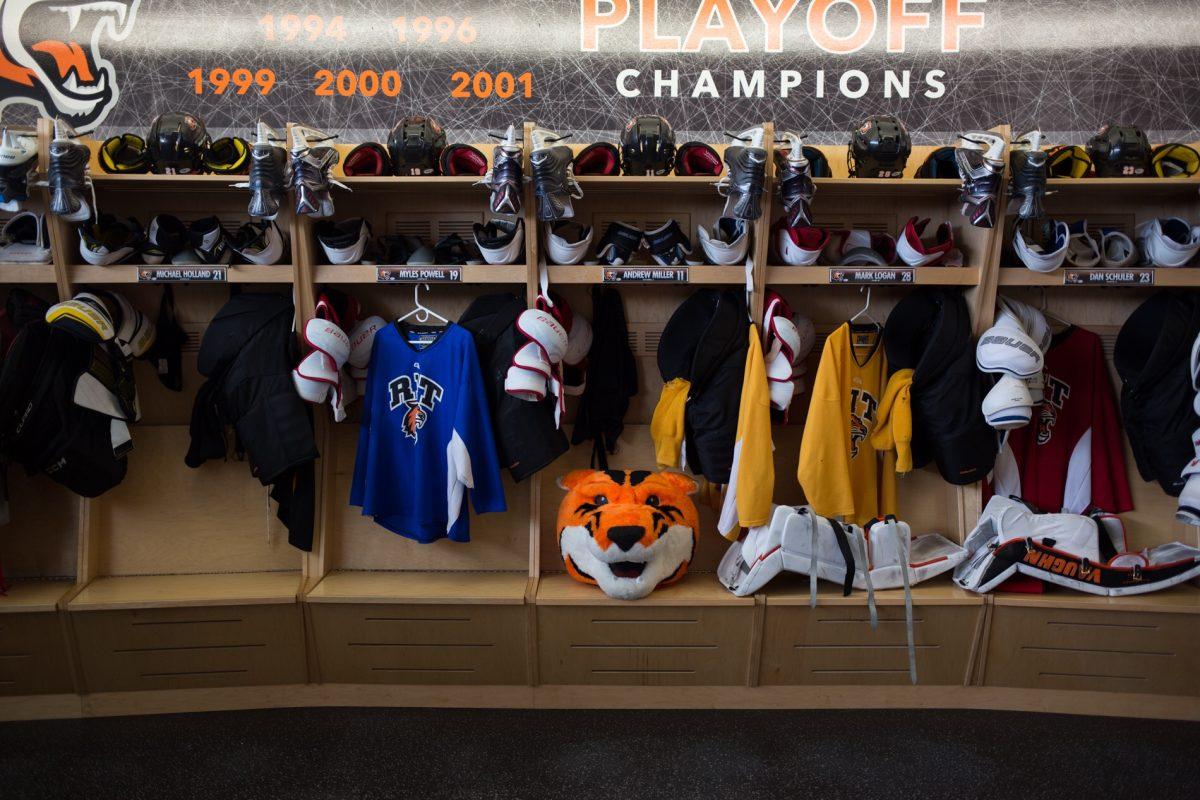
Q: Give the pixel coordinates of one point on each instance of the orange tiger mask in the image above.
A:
(627, 531)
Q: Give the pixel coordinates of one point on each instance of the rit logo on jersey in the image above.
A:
(1057, 393)
(418, 395)
(862, 417)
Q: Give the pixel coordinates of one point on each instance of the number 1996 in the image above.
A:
(219, 79)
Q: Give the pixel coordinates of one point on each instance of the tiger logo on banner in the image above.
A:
(62, 72)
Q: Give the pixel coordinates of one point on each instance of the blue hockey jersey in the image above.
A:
(425, 438)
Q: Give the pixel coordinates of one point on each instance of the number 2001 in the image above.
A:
(484, 84)
(347, 83)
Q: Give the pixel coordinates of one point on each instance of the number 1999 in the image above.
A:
(219, 80)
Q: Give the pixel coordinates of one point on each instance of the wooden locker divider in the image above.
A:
(383, 609)
(187, 580)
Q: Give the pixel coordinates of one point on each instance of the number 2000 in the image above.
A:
(347, 83)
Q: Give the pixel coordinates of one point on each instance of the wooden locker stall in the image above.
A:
(383, 609)
(1068, 640)
(187, 576)
(830, 644)
(693, 632)
(39, 542)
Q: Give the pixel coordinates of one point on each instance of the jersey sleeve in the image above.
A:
(824, 469)
(1110, 482)
(472, 447)
(362, 455)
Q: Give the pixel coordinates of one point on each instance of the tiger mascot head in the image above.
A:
(50, 56)
(627, 531)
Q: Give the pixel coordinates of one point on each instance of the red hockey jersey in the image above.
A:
(1071, 456)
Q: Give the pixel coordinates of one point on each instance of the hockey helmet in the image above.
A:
(1120, 151)
(647, 146)
(176, 143)
(416, 145)
(879, 148)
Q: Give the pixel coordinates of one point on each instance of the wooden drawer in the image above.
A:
(835, 644)
(433, 644)
(33, 655)
(644, 645)
(1103, 650)
(186, 648)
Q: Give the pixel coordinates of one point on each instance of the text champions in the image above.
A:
(839, 27)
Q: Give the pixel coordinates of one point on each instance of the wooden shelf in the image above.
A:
(176, 591)
(1182, 599)
(471, 273)
(887, 187)
(792, 590)
(169, 182)
(695, 589)
(401, 183)
(29, 596)
(1124, 186)
(26, 273)
(127, 273)
(474, 588)
(592, 273)
(642, 183)
(922, 276)
(1179, 276)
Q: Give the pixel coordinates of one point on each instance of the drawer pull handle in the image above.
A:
(190, 674)
(187, 647)
(1088, 650)
(420, 644)
(185, 622)
(645, 622)
(643, 672)
(643, 647)
(1085, 675)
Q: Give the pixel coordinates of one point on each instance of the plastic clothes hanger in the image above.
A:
(865, 311)
(422, 312)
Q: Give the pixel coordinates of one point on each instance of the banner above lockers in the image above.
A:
(355, 66)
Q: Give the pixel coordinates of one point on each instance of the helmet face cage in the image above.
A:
(177, 143)
(647, 146)
(879, 148)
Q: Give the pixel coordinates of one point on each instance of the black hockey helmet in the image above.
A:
(1120, 151)
(176, 143)
(879, 148)
(647, 146)
(818, 164)
(415, 145)
(941, 164)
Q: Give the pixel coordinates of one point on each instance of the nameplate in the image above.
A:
(1108, 277)
(645, 275)
(840, 275)
(418, 275)
(182, 275)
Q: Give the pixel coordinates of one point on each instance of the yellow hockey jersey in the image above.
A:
(840, 471)
(752, 479)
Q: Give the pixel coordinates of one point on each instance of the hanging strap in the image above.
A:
(908, 612)
(866, 571)
(839, 535)
(812, 561)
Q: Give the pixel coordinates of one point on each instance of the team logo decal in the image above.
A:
(418, 395)
(862, 417)
(62, 72)
(1057, 393)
